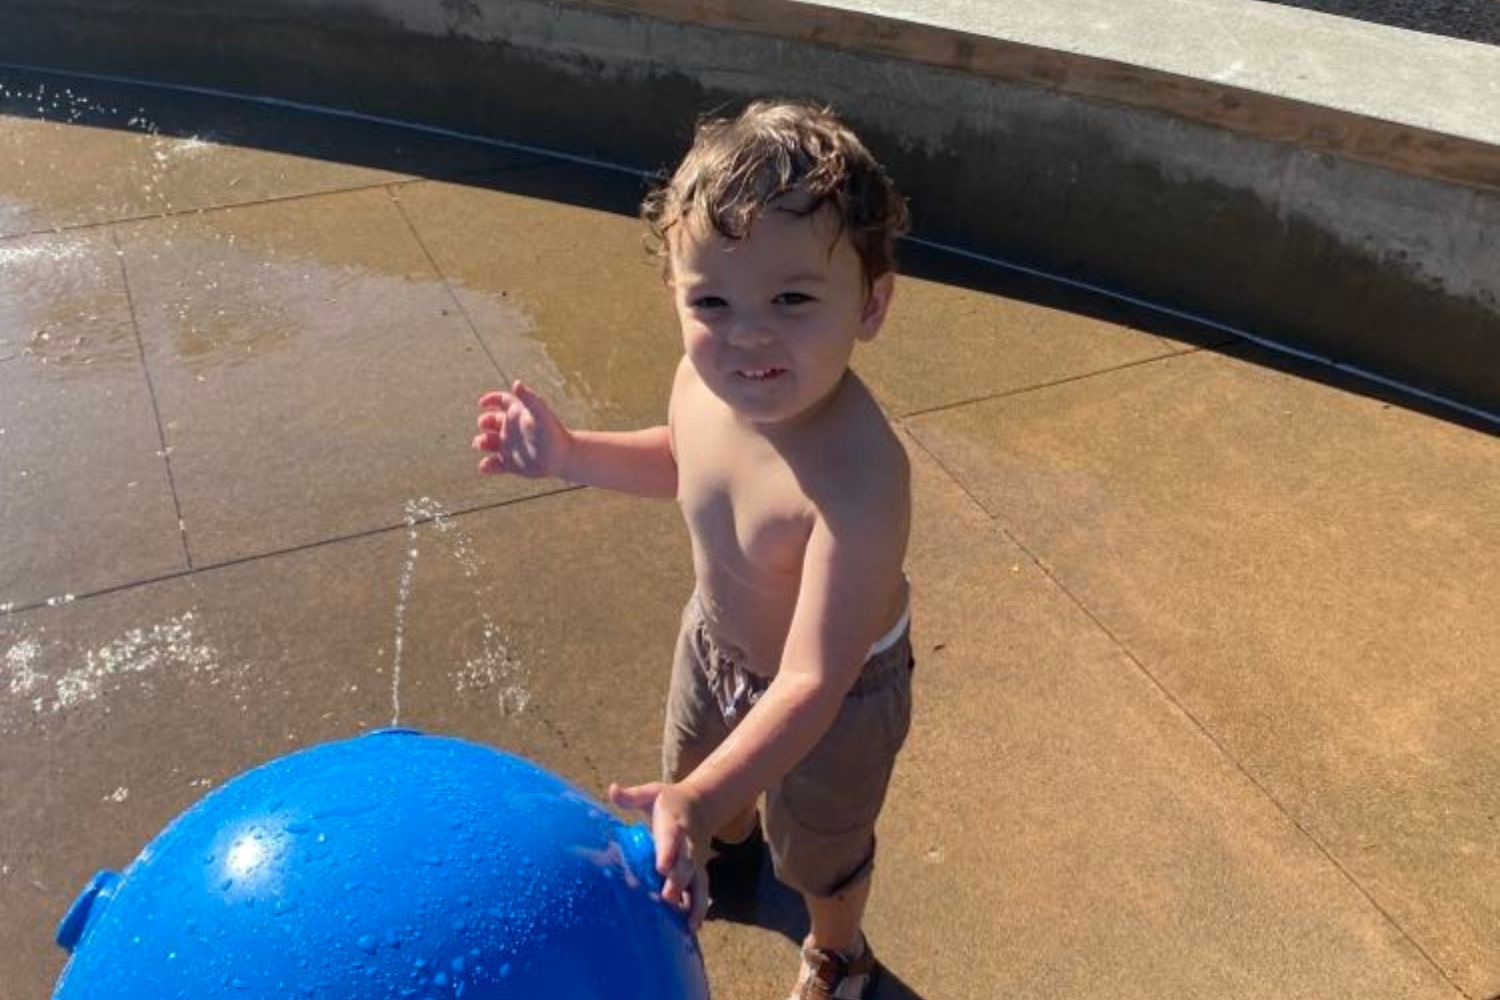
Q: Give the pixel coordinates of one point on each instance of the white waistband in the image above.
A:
(890, 638)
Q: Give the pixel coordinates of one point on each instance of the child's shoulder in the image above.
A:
(857, 450)
(858, 417)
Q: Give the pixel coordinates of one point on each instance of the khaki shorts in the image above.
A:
(820, 819)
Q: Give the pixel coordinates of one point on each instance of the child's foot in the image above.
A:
(835, 975)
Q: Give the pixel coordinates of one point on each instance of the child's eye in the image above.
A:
(708, 302)
(792, 299)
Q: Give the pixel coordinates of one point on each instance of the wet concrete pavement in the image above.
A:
(1208, 645)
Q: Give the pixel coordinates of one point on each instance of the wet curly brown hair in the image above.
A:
(738, 166)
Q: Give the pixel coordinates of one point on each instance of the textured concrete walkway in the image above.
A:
(1209, 649)
(1476, 20)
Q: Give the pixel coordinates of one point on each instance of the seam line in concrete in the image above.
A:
(161, 432)
(1023, 390)
(1203, 321)
(448, 287)
(306, 546)
(1192, 719)
(183, 213)
(83, 227)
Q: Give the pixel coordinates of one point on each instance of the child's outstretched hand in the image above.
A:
(522, 434)
(676, 828)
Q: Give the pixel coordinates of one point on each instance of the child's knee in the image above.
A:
(819, 864)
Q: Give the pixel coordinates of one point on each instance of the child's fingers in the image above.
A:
(640, 798)
(489, 441)
(674, 861)
(517, 410)
(679, 878)
(491, 465)
(700, 901)
(491, 420)
(527, 395)
(497, 400)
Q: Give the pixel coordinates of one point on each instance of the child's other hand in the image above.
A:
(676, 828)
(522, 435)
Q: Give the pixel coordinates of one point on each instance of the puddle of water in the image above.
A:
(510, 329)
(239, 303)
(242, 286)
(62, 306)
(245, 286)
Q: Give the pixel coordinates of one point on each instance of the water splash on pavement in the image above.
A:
(492, 667)
(49, 678)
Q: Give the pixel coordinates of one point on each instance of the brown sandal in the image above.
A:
(830, 975)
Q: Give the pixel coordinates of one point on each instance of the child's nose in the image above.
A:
(749, 331)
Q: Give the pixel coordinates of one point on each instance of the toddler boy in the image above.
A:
(792, 675)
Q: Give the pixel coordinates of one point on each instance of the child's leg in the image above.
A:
(836, 919)
(820, 818)
(740, 827)
(820, 822)
(836, 960)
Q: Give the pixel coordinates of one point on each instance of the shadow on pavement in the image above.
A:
(770, 905)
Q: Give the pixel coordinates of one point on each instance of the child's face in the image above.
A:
(770, 321)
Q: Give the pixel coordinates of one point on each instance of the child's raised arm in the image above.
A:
(523, 436)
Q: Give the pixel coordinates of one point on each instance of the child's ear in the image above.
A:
(877, 303)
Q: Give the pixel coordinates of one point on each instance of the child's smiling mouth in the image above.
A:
(760, 374)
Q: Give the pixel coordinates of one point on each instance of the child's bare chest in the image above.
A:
(743, 505)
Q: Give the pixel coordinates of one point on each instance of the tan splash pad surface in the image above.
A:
(1208, 647)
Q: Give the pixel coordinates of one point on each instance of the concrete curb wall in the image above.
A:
(1375, 244)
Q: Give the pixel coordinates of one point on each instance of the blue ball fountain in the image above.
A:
(392, 866)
